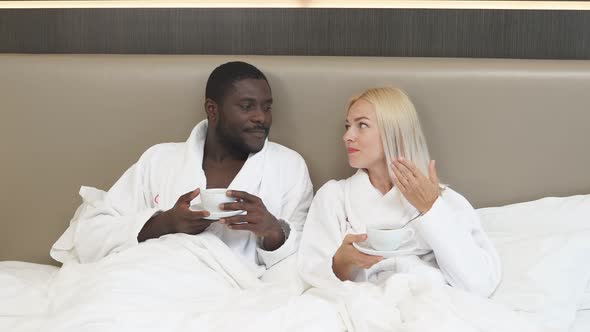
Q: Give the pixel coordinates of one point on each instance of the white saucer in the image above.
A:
(215, 215)
(366, 248)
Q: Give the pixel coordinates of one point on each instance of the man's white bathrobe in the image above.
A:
(164, 172)
(179, 282)
(411, 291)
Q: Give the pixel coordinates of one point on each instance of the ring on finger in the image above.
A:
(241, 222)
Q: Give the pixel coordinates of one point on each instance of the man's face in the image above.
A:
(245, 115)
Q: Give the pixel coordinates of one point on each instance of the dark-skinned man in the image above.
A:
(228, 150)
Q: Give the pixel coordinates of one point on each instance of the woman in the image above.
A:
(395, 187)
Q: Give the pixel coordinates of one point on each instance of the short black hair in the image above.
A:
(223, 77)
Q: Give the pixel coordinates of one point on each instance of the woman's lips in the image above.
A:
(351, 150)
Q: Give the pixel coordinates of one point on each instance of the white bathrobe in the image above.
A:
(439, 285)
(450, 244)
(164, 172)
(179, 282)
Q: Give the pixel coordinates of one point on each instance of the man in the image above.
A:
(228, 150)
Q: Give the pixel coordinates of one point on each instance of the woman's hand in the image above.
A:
(347, 257)
(419, 190)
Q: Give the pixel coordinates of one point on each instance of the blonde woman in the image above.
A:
(396, 187)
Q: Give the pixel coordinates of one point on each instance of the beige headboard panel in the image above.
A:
(501, 131)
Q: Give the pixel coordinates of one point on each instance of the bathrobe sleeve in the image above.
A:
(113, 223)
(322, 236)
(464, 253)
(295, 201)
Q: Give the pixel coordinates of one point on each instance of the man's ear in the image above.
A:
(212, 110)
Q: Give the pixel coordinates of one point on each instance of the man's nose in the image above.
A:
(258, 115)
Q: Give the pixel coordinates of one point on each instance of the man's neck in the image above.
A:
(221, 163)
(216, 151)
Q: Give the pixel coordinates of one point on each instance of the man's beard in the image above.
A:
(234, 141)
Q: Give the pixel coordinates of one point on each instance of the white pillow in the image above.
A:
(585, 303)
(544, 246)
(544, 216)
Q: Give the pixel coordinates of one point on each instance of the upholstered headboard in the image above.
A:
(501, 131)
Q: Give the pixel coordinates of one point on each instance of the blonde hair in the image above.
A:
(401, 133)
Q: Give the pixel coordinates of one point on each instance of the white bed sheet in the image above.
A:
(23, 288)
(23, 296)
(582, 322)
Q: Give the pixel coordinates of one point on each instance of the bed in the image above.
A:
(510, 135)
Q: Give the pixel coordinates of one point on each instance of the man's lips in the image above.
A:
(260, 133)
(351, 150)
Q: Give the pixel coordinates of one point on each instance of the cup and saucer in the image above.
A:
(210, 201)
(387, 242)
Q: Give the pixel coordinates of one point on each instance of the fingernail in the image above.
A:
(229, 192)
(222, 221)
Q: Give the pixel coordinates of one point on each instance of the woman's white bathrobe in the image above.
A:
(110, 224)
(409, 292)
(450, 243)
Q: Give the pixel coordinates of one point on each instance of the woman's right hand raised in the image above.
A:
(348, 257)
(179, 219)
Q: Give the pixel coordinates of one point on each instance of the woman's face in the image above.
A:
(363, 137)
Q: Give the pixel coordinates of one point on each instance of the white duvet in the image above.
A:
(196, 283)
(176, 283)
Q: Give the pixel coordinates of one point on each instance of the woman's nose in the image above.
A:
(348, 136)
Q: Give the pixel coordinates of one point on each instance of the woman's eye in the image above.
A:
(363, 125)
(346, 126)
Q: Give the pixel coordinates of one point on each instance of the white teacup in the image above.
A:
(212, 198)
(389, 239)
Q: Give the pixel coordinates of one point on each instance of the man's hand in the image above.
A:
(179, 219)
(347, 257)
(257, 219)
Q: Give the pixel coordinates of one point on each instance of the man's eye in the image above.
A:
(246, 107)
(268, 108)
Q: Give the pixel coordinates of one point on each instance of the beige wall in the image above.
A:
(501, 130)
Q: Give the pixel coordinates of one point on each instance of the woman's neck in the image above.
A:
(379, 177)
